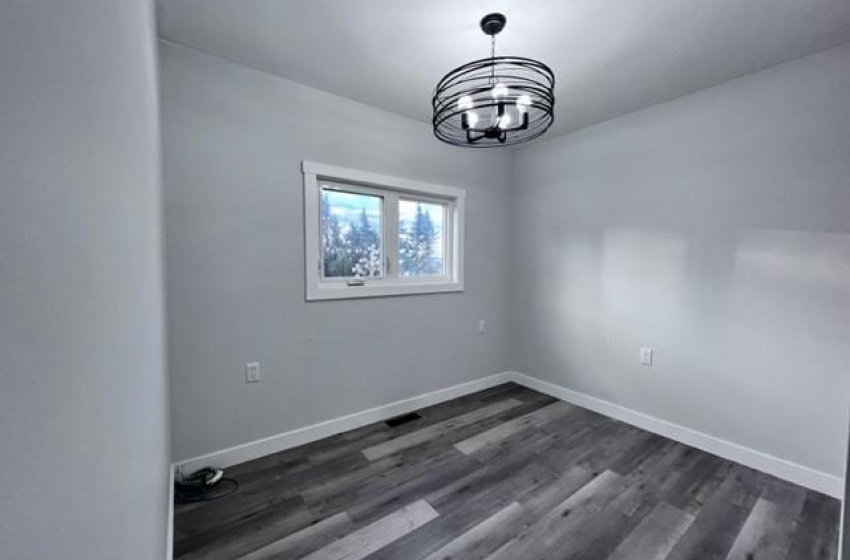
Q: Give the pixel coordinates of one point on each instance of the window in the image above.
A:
(369, 235)
(351, 229)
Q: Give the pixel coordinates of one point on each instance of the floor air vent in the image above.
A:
(403, 419)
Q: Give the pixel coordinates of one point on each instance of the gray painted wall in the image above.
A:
(83, 403)
(716, 229)
(233, 141)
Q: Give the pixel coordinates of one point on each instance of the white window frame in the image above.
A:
(392, 189)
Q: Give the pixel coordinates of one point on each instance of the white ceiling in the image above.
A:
(609, 57)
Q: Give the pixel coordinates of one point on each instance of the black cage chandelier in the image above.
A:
(496, 101)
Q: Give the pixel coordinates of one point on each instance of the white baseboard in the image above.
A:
(780, 468)
(266, 446)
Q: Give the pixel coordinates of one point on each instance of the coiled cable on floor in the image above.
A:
(197, 488)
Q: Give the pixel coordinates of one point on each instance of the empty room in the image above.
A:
(424, 279)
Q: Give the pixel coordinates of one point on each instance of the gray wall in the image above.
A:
(233, 140)
(716, 229)
(83, 403)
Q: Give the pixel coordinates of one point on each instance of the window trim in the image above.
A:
(318, 288)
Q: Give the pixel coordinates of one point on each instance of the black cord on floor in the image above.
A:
(191, 493)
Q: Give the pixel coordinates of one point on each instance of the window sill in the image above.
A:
(327, 291)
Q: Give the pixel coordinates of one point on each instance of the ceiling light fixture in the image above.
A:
(494, 101)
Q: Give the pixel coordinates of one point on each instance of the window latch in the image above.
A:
(356, 282)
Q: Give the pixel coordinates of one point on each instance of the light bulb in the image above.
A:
(499, 90)
(464, 102)
(523, 102)
(504, 121)
(471, 119)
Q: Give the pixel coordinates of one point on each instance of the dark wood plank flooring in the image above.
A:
(506, 474)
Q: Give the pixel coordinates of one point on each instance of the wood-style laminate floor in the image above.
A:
(506, 474)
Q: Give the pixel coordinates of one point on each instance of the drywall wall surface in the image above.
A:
(714, 229)
(234, 139)
(83, 403)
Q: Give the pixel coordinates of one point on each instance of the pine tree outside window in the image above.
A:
(421, 234)
(351, 234)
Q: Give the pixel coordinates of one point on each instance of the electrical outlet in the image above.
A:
(482, 326)
(252, 372)
(646, 356)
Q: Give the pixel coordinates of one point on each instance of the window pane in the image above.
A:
(421, 228)
(351, 234)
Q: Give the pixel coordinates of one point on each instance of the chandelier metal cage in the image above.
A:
(496, 101)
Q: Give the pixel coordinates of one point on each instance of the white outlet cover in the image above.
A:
(646, 356)
(252, 372)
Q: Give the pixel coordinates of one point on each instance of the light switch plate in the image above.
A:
(646, 356)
